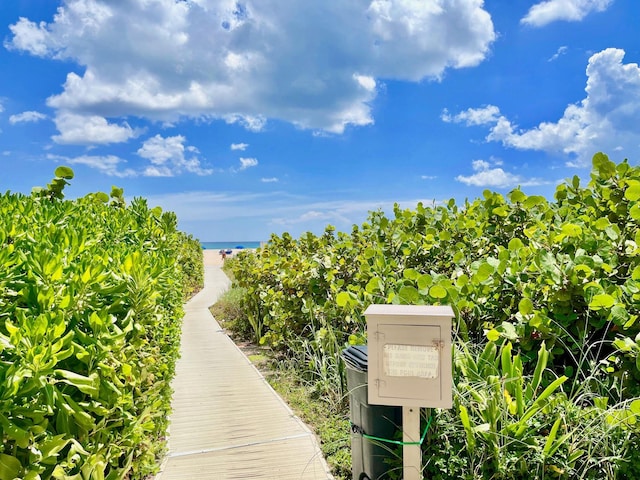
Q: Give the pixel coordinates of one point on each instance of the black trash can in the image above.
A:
(368, 456)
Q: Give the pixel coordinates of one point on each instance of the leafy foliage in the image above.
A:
(90, 307)
(558, 276)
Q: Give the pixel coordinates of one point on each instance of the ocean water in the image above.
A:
(228, 245)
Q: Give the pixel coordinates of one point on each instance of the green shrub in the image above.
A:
(90, 309)
(229, 312)
(520, 269)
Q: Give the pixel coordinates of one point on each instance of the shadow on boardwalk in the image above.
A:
(227, 422)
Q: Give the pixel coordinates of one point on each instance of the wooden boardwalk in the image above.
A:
(227, 422)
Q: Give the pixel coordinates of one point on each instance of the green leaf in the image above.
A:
(469, 431)
(634, 406)
(546, 451)
(634, 212)
(602, 223)
(525, 307)
(369, 253)
(64, 172)
(605, 167)
(501, 211)
(373, 286)
(632, 193)
(485, 270)
(515, 244)
(619, 315)
(19, 435)
(602, 301)
(89, 385)
(411, 274)
(409, 295)
(437, 291)
(342, 299)
(101, 197)
(516, 196)
(424, 281)
(533, 201)
(493, 335)
(613, 232)
(571, 230)
(53, 446)
(10, 467)
(508, 331)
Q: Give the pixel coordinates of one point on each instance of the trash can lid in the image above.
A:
(356, 357)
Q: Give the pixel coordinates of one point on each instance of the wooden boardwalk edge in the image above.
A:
(227, 421)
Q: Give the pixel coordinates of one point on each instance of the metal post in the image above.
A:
(411, 454)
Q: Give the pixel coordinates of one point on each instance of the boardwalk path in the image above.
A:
(227, 422)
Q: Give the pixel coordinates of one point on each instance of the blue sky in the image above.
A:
(250, 117)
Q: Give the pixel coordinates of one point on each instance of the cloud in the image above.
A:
(168, 157)
(90, 130)
(216, 60)
(26, 117)
(489, 174)
(248, 163)
(428, 177)
(549, 11)
(561, 51)
(606, 120)
(474, 116)
(277, 207)
(239, 146)
(106, 164)
(311, 216)
(30, 37)
(269, 180)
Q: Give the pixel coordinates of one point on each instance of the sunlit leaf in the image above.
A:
(64, 172)
(437, 291)
(525, 307)
(632, 193)
(601, 301)
(492, 335)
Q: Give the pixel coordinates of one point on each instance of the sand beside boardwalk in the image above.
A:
(213, 257)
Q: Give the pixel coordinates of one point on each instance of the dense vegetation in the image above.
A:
(546, 297)
(91, 296)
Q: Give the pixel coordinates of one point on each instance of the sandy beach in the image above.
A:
(213, 257)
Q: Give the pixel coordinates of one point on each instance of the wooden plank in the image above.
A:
(227, 421)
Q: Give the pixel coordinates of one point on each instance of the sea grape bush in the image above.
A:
(522, 268)
(91, 299)
(563, 275)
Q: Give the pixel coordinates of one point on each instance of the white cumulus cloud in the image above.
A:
(109, 165)
(606, 120)
(239, 146)
(90, 129)
(169, 157)
(561, 51)
(248, 163)
(313, 64)
(489, 174)
(549, 11)
(26, 117)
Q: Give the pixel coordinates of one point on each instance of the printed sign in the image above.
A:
(411, 361)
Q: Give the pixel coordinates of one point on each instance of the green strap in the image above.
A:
(397, 442)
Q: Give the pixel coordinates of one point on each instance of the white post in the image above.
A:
(411, 454)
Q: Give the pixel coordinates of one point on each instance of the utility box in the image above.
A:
(409, 350)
